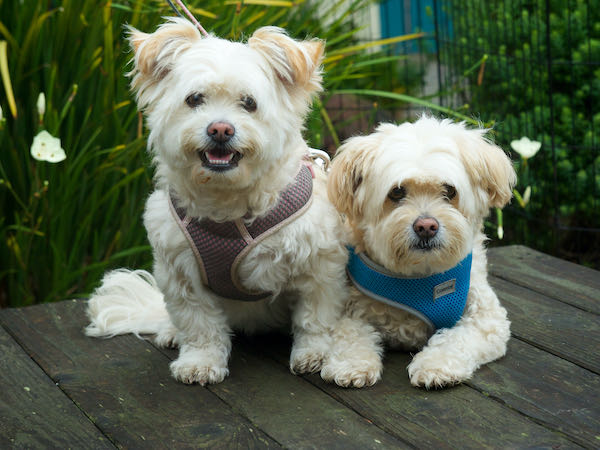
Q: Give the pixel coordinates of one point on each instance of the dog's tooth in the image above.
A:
(217, 160)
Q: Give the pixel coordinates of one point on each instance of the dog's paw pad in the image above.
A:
(191, 373)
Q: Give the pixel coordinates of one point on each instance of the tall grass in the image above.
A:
(63, 224)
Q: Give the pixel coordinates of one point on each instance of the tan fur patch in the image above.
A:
(294, 62)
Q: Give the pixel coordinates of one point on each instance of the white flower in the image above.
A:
(0, 113)
(41, 104)
(46, 147)
(525, 147)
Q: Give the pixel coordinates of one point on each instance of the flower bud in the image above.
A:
(41, 105)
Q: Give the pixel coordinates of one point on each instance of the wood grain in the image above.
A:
(550, 390)
(556, 327)
(34, 412)
(124, 386)
(570, 283)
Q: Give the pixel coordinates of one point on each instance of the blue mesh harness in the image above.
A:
(439, 300)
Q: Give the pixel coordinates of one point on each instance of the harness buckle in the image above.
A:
(320, 158)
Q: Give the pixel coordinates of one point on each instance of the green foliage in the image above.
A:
(63, 224)
(540, 81)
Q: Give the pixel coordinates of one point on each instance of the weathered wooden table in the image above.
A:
(61, 389)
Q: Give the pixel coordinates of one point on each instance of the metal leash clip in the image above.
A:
(320, 157)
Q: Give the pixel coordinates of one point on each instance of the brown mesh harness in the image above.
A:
(220, 247)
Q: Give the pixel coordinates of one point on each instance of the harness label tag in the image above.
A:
(445, 288)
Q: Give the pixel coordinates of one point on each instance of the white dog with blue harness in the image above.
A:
(414, 198)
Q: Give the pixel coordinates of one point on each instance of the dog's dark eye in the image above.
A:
(397, 194)
(449, 191)
(195, 99)
(249, 103)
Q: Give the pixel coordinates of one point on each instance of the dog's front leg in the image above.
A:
(204, 342)
(202, 331)
(355, 358)
(452, 355)
(318, 310)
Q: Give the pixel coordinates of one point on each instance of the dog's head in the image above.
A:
(222, 114)
(416, 194)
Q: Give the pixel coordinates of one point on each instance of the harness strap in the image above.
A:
(220, 247)
(439, 300)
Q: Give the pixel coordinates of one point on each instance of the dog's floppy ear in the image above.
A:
(154, 52)
(296, 63)
(346, 176)
(489, 168)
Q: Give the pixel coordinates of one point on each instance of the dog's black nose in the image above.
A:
(426, 227)
(220, 132)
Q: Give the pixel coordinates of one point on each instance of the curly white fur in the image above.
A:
(383, 183)
(301, 263)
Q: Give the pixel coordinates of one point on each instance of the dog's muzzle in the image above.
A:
(220, 156)
(426, 232)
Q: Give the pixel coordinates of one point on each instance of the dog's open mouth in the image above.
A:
(426, 245)
(220, 160)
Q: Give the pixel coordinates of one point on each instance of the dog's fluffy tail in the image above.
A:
(127, 301)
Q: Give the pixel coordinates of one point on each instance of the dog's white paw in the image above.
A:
(192, 373)
(306, 360)
(436, 370)
(202, 366)
(355, 357)
(166, 337)
(309, 352)
(353, 372)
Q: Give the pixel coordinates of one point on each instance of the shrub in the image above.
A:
(541, 80)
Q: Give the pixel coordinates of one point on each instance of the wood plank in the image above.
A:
(124, 386)
(552, 391)
(287, 407)
(556, 327)
(34, 412)
(570, 283)
(458, 417)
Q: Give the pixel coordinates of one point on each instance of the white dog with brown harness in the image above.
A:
(225, 122)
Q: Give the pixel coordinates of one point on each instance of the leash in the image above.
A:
(188, 13)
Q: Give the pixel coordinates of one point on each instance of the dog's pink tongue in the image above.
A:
(219, 159)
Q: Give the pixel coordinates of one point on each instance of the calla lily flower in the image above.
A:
(46, 147)
(526, 147)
